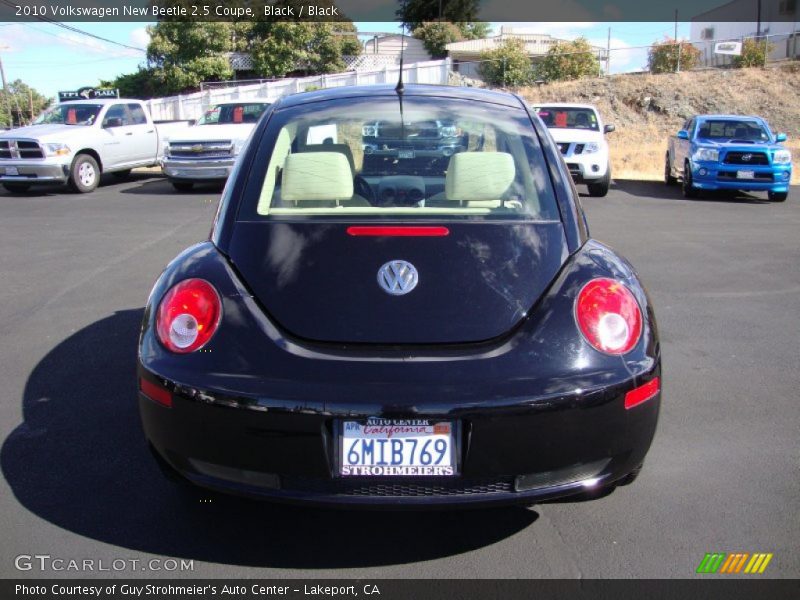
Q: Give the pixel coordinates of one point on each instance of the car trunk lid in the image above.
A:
(320, 282)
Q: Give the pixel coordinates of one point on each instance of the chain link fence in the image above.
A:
(683, 55)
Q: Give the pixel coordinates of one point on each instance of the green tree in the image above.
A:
(435, 35)
(144, 83)
(16, 102)
(474, 30)
(508, 65)
(569, 60)
(754, 53)
(414, 13)
(282, 47)
(666, 56)
(182, 54)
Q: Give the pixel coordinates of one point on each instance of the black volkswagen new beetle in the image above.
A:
(409, 325)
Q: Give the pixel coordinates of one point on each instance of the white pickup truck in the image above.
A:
(207, 151)
(581, 136)
(76, 141)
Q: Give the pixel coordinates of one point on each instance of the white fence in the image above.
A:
(192, 106)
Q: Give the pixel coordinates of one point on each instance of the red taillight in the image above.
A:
(188, 315)
(608, 316)
(398, 231)
(643, 393)
(155, 392)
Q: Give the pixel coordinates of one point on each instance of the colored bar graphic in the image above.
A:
(711, 562)
(758, 563)
(723, 562)
(734, 562)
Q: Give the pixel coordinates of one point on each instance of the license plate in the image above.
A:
(745, 174)
(12, 171)
(397, 447)
(405, 154)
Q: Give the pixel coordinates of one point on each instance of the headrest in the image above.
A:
(341, 148)
(479, 176)
(316, 176)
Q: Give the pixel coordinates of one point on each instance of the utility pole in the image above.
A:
(5, 90)
(608, 53)
(758, 20)
(677, 44)
(675, 37)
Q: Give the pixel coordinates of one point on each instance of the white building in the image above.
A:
(467, 54)
(778, 22)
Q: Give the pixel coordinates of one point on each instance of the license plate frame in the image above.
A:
(455, 450)
(745, 174)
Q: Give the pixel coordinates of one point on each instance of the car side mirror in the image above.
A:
(683, 134)
(112, 122)
(609, 128)
(781, 137)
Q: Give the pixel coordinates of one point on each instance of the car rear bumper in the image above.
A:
(511, 451)
(198, 170)
(33, 172)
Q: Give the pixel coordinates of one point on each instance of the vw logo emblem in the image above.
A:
(398, 277)
(747, 157)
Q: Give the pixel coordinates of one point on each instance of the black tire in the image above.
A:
(17, 188)
(778, 196)
(84, 175)
(122, 175)
(689, 191)
(182, 186)
(668, 178)
(600, 189)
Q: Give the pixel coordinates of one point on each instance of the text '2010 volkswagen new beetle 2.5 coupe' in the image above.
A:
(416, 326)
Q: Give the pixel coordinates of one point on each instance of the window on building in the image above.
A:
(707, 33)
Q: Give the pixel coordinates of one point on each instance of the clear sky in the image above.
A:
(51, 59)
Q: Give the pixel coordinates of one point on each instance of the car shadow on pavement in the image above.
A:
(162, 186)
(658, 190)
(59, 189)
(79, 460)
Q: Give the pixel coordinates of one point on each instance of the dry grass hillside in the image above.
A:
(646, 109)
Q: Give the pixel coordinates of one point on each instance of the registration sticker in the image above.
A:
(397, 447)
(745, 174)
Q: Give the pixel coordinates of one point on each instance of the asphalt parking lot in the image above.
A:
(78, 483)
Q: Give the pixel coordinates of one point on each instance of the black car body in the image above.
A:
(528, 348)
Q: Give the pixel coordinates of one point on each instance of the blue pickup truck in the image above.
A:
(729, 152)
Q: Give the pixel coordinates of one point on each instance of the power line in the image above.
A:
(79, 31)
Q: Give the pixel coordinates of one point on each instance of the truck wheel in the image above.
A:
(17, 188)
(778, 196)
(600, 189)
(85, 174)
(689, 191)
(122, 175)
(668, 178)
(182, 186)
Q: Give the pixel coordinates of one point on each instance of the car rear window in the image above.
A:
(374, 157)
